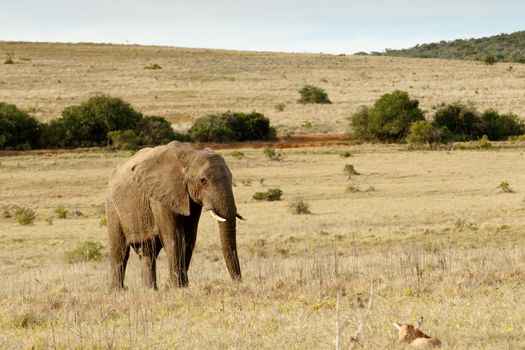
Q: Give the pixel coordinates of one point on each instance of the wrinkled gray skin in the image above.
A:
(154, 201)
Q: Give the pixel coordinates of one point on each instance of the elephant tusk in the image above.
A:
(216, 217)
(240, 216)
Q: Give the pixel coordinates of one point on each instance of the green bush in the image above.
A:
(61, 212)
(460, 119)
(25, 216)
(272, 154)
(18, 130)
(85, 251)
(232, 126)
(359, 124)
(273, 194)
(153, 66)
(89, 123)
(237, 154)
(155, 130)
(484, 143)
(500, 126)
(489, 58)
(313, 94)
(9, 58)
(388, 120)
(126, 140)
(392, 115)
(350, 170)
(345, 154)
(465, 123)
(424, 132)
(299, 207)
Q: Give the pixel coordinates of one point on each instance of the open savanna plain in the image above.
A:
(46, 78)
(429, 233)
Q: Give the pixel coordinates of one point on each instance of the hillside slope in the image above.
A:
(46, 78)
(502, 47)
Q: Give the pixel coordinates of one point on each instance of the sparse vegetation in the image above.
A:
(61, 212)
(352, 189)
(349, 170)
(272, 154)
(84, 252)
(237, 154)
(299, 206)
(273, 194)
(153, 66)
(25, 216)
(504, 186)
(345, 154)
(280, 107)
(9, 58)
(313, 94)
(484, 143)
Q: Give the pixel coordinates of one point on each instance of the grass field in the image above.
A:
(46, 78)
(429, 232)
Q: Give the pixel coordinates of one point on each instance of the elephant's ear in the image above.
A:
(160, 174)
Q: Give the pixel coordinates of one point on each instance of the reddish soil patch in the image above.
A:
(294, 141)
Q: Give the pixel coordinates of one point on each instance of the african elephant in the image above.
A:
(154, 200)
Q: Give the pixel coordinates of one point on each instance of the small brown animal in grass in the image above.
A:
(413, 336)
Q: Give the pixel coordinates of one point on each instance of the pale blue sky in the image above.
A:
(330, 26)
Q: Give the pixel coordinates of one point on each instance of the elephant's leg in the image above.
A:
(171, 230)
(118, 251)
(150, 252)
(190, 232)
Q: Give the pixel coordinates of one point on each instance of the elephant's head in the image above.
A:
(178, 173)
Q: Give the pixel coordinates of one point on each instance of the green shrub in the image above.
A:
(460, 119)
(484, 143)
(504, 186)
(501, 126)
(424, 132)
(359, 125)
(153, 66)
(273, 194)
(345, 154)
(89, 123)
(299, 206)
(280, 107)
(155, 130)
(237, 154)
(392, 115)
(61, 212)
(9, 58)
(271, 154)
(232, 126)
(126, 140)
(84, 251)
(25, 216)
(350, 170)
(18, 130)
(489, 58)
(388, 120)
(313, 94)
(352, 189)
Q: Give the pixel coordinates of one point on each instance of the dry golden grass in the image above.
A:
(435, 239)
(49, 77)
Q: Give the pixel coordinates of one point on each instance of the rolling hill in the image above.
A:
(502, 47)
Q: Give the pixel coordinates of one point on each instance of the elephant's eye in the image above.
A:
(203, 181)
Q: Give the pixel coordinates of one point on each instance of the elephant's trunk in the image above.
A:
(229, 247)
